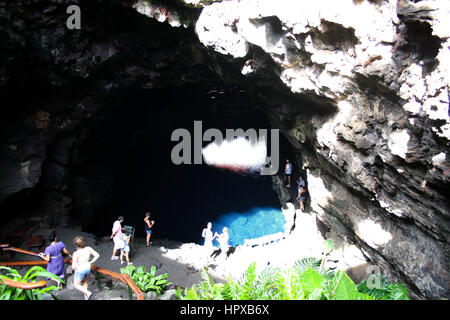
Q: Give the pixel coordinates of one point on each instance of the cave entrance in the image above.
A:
(127, 168)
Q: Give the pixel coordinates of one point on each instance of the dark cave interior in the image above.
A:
(129, 169)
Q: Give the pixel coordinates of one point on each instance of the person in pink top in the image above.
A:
(117, 237)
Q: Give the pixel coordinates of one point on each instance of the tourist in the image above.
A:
(125, 250)
(208, 235)
(301, 182)
(223, 242)
(53, 254)
(82, 266)
(117, 237)
(288, 173)
(148, 227)
(301, 197)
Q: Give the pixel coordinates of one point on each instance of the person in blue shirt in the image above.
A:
(301, 182)
(125, 250)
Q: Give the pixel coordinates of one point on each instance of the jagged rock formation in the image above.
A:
(376, 154)
(360, 89)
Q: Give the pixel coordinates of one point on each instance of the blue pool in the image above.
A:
(255, 223)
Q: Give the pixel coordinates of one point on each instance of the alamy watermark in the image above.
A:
(74, 20)
(374, 278)
(182, 152)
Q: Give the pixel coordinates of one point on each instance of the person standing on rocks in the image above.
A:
(301, 197)
(82, 266)
(288, 173)
(53, 254)
(148, 227)
(117, 236)
(223, 242)
(301, 182)
(208, 235)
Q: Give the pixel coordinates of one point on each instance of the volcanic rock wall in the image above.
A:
(373, 126)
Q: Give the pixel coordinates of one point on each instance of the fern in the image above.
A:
(290, 286)
(305, 263)
(248, 283)
(385, 291)
(305, 281)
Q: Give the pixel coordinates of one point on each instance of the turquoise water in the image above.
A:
(255, 223)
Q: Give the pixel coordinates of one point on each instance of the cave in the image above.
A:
(361, 106)
(122, 166)
(126, 163)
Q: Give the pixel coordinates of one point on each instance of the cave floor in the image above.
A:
(183, 262)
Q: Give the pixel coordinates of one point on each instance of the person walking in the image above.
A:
(53, 254)
(117, 236)
(125, 251)
(82, 266)
(148, 227)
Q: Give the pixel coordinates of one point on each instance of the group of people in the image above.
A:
(221, 238)
(301, 185)
(81, 258)
(81, 261)
(122, 240)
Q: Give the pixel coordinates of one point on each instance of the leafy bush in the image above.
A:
(9, 293)
(307, 280)
(147, 281)
(385, 291)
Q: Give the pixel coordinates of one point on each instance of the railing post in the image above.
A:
(99, 280)
(130, 293)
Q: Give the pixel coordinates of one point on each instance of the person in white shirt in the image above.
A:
(117, 237)
(208, 235)
(223, 242)
(82, 266)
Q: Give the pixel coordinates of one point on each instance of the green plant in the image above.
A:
(147, 281)
(385, 290)
(307, 280)
(10, 293)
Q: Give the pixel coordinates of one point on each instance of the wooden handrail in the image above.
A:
(28, 263)
(31, 253)
(125, 278)
(107, 272)
(24, 285)
(133, 286)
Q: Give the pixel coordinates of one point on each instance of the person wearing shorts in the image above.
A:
(288, 173)
(148, 224)
(82, 265)
(125, 250)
